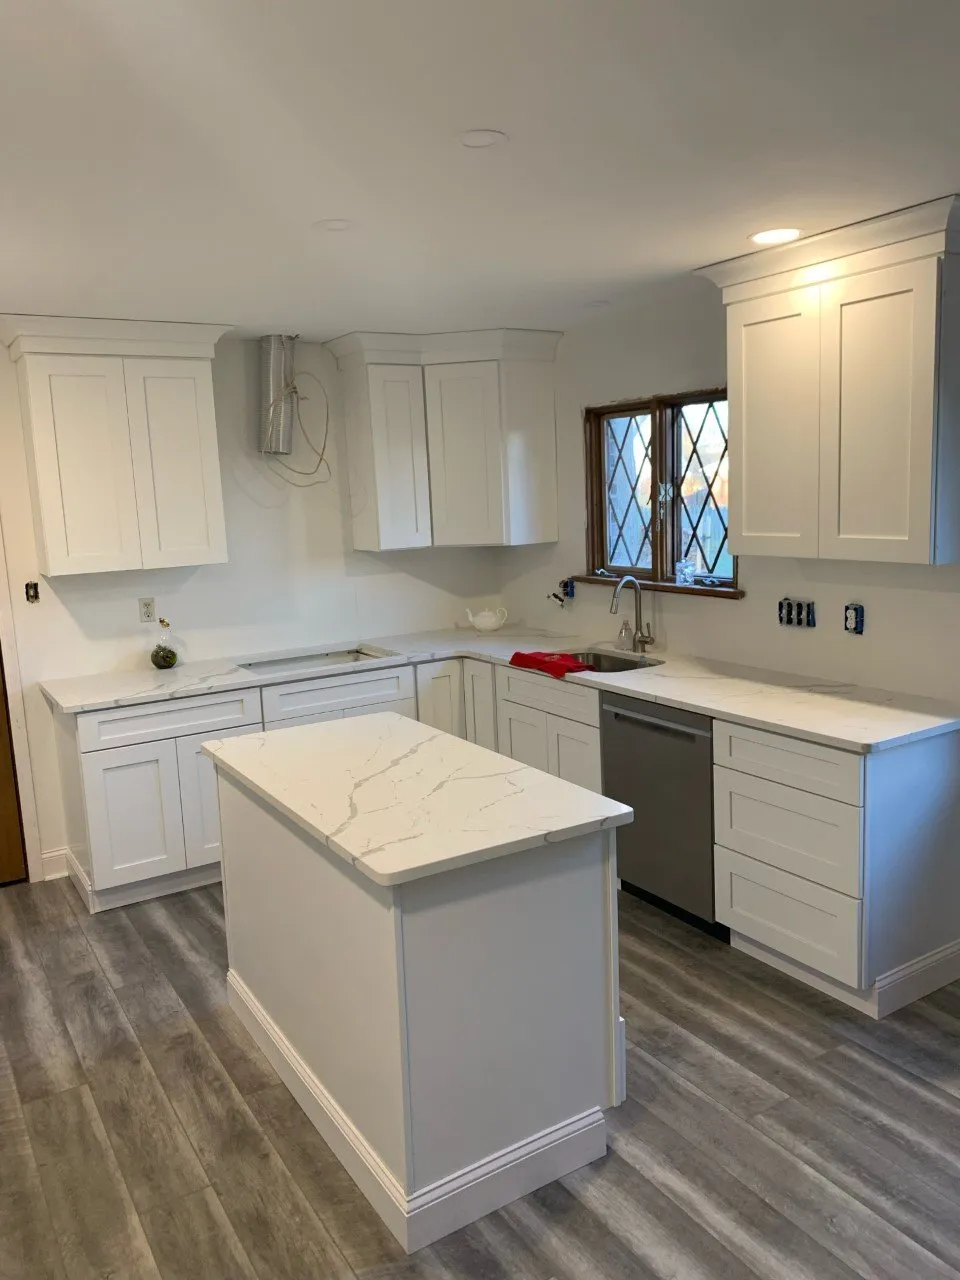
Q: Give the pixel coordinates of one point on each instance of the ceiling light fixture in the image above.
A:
(334, 224)
(597, 304)
(482, 137)
(779, 235)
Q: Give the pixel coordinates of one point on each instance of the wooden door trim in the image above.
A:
(23, 767)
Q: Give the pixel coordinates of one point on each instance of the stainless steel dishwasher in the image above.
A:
(659, 760)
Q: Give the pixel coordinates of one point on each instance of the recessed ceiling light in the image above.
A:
(334, 224)
(779, 235)
(597, 304)
(482, 137)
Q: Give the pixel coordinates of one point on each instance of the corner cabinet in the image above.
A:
(451, 438)
(844, 392)
(121, 440)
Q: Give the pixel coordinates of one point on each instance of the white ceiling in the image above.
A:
(165, 159)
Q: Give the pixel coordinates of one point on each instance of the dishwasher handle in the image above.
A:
(654, 722)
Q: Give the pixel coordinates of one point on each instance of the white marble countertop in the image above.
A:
(74, 694)
(838, 715)
(401, 800)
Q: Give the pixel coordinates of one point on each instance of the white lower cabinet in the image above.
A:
(480, 703)
(402, 707)
(198, 796)
(565, 748)
(522, 732)
(134, 818)
(573, 752)
(440, 696)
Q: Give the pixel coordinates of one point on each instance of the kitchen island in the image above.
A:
(422, 938)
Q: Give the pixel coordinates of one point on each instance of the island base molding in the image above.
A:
(420, 1219)
(124, 895)
(891, 991)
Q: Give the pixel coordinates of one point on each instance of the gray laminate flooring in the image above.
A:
(769, 1132)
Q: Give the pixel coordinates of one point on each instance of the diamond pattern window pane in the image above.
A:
(628, 476)
(702, 488)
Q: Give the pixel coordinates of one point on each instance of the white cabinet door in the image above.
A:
(81, 473)
(399, 437)
(573, 752)
(198, 796)
(466, 453)
(773, 357)
(176, 464)
(440, 696)
(132, 796)
(878, 407)
(480, 703)
(522, 734)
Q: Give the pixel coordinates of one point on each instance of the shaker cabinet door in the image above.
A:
(878, 414)
(573, 752)
(480, 703)
(773, 356)
(440, 696)
(176, 464)
(466, 453)
(80, 466)
(522, 733)
(132, 797)
(399, 437)
(198, 795)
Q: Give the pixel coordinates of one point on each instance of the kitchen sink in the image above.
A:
(307, 663)
(604, 660)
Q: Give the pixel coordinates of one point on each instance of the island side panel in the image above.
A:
(314, 942)
(509, 1016)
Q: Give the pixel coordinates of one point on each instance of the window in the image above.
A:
(657, 492)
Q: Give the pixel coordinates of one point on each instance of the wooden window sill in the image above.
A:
(720, 592)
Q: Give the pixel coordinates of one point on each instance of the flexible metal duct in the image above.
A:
(278, 393)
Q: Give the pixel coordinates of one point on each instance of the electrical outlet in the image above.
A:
(148, 609)
(797, 613)
(853, 619)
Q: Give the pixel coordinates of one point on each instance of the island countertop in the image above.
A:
(401, 800)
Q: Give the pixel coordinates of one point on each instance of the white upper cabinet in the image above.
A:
(844, 389)
(451, 438)
(773, 347)
(176, 466)
(464, 435)
(121, 442)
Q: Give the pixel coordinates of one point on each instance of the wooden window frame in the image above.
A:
(665, 529)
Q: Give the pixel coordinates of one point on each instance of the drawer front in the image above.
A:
(530, 689)
(807, 835)
(816, 926)
(336, 693)
(176, 718)
(402, 707)
(805, 765)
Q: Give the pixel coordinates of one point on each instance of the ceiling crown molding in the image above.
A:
(73, 335)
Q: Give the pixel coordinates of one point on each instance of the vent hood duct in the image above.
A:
(278, 393)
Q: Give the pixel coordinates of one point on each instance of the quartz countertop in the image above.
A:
(401, 800)
(847, 716)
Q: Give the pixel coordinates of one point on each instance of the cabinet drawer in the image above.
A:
(529, 689)
(178, 717)
(806, 765)
(807, 835)
(336, 693)
(816, 926)
(400, 706)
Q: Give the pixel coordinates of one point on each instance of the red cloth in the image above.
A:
(557, 665)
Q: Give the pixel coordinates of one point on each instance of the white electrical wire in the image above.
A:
(291, 389)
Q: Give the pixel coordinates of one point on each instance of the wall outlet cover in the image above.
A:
(853, 618)
(148, 609)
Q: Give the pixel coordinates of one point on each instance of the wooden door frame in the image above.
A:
(22, 764)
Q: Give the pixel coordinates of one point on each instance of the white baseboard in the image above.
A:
(53, 863)
(124, 895)
(891, 991)
(427, 1215)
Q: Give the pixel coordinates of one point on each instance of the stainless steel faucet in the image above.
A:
(642, 636)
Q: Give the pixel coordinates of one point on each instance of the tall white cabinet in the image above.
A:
(121, 439)
(844, 392)
(451, 438)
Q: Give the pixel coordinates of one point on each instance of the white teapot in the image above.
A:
(488, 619)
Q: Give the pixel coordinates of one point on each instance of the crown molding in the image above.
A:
(75, 335)
(445, 348)
(938, 220)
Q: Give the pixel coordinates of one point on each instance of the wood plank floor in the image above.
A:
(769, 1132)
